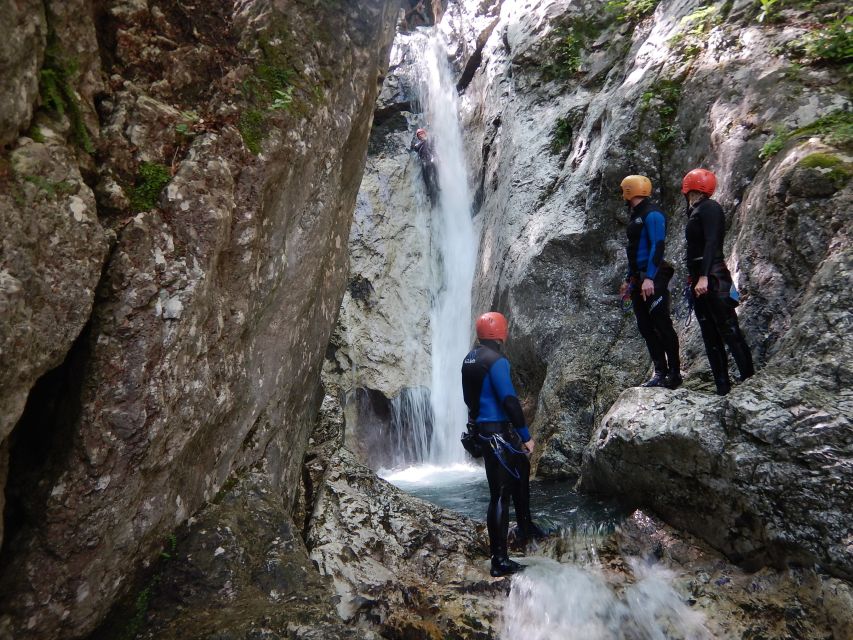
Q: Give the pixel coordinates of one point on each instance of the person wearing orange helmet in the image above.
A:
(715, 297)
(648, 281)
(424, 148)
(495, 415)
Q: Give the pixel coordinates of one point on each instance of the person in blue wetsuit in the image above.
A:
(495, 415)
(648, 281)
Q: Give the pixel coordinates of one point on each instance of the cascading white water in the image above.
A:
(552, 600)
(455, 250)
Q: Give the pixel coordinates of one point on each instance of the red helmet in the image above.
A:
(492, 326)
(700, 180)
(420, 131)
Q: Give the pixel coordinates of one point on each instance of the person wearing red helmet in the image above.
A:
(424, 148)
(495, 415)
(648, 279)
(715, 297)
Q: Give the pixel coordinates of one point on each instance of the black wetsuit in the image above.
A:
(494, 407)
(426, 154)
(646, 232)
(715, 311)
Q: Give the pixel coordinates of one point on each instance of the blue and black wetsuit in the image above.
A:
(494, 407)
(715, 311)
(646, 233)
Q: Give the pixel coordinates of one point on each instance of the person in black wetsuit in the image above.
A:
(711, 281)
(423, 146)
(495, 415)
(648, 281)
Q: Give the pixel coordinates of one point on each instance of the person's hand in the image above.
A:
(648, 289)
(529, 446)
(623, 289)
(701, 287)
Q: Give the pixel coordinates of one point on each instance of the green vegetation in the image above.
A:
(832, 43)
(775, 143)
(835, 129)
(663, 99)
(769, 10)
(695, 28)
(58, 94)
(251, 127)
(631, 11)
(561, 136)
(838, 171)
(150, 180)
(566, 43)
(143, 600)
(185, 126)
(52, 189)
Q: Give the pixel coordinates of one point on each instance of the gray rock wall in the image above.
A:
(567, 100)
(226, 166)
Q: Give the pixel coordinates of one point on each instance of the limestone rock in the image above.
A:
(415, 569)
(238, 569)
(764, 474)
(22, 40)
(206, 339)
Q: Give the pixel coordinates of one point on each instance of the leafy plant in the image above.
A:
(282, 99)
(775, 143)
(663, 99)
(561, 136)
(565, 47)
(59, 96)
(769, 10)
(631, 11)
(832, 43)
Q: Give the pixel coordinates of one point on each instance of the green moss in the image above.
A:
(35, 134)
(150, 180)
(251, 127)
(58, 94)
(836, 169)
(835, 128)
(695, 28)
(565, 46)
(561, 136)
(663, 99)
(52, 189)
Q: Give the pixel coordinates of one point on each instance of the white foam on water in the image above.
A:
(550, 601)
(433, 475)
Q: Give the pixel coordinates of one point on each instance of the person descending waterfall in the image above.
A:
(714, 295)
(648, 279)
(424, 148)
(495, 416)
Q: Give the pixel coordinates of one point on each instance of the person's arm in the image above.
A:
(656, 232)
(714, 228)
(502, 384)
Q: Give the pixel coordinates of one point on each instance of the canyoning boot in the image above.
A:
(724, 385)
(503, 566)
(673, 380)
(656, 380)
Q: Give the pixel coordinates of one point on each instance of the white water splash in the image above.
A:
(550, 600)
(432, 475)
(455, 245)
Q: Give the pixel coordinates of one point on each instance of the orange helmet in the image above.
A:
(700, 180)
(633, 186)
(492, 326)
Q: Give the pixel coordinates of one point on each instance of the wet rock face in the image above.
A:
(567, 100)
(238, 569)
(229, 155)
(388, 568)
(764, 473)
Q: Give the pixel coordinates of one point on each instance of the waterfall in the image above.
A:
(454, 245)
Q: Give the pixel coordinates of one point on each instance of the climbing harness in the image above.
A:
(499, 446)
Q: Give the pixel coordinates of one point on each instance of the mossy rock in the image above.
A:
(820, 175)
